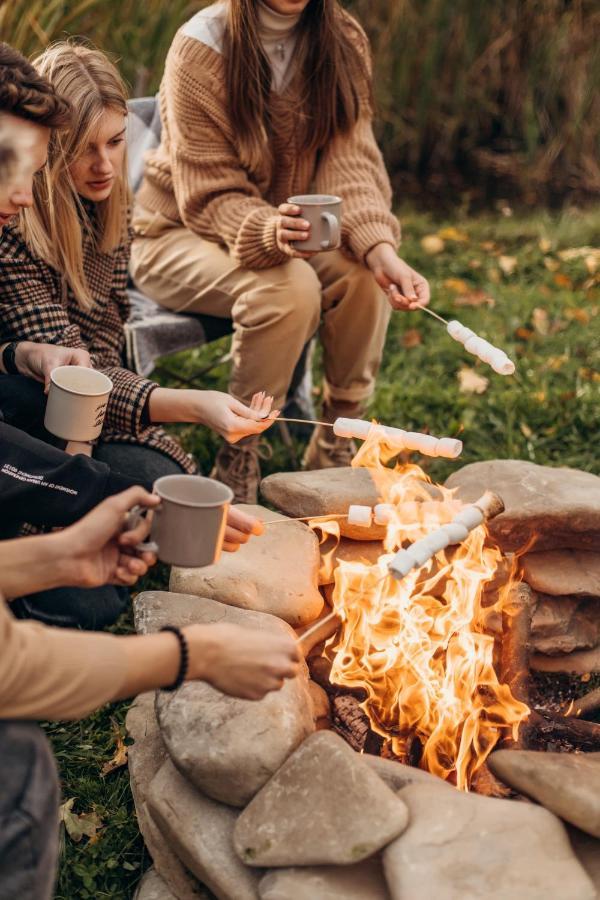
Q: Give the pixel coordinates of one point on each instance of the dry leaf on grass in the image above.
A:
(470, 382)
(411, 338)
(545, 245)
(475, 298)
(541, 322)
(119, 758)
(526, 430)
(507, 264)
(524, 334)
(457, 285)
(580, 253)
(432, 244)
(578, 315)
(79, 825)
(551, 264)
(453, 234)
(562, 280)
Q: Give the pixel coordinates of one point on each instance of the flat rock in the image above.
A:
(326, 492)
(460, 846)
(397, 776)
(363, 881)
(201, 833)
(587, 851)
(146, 755)
(275, 573)
(351, 551)
(568, 784)
(558, 506)
(152, 887)
(227, 747)
(580, 662)
(575, 573)
(323, 807)
(565, 624)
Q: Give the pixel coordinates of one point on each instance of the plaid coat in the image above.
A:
(37, 305)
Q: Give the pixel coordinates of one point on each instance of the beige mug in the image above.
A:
(77, 402)
(324, 212)
(189, 525)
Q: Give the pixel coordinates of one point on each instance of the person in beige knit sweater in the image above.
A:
(260, 101)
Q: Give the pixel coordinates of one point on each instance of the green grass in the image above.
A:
(548, 413)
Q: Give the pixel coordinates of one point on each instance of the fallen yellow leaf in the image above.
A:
(540, 396)
(524, 334)
(507, 264)
(580, 253)
(488, 246)
(119, 758)
(457, 285)
(541, 322)
(471, 382)
(545, 245)
(411, 338)
(551, 264)
(79, 825)
(562, 280)
(475, 298)
(557, 362)
(453, 234)
(579, 315)
(432, 244)
(526, 430)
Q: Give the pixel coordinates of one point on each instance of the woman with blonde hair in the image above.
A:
(63, 273)
(261, 101)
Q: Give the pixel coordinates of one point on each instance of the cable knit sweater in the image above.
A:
(196, 177)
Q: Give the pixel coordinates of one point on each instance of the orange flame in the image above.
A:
(419, 646)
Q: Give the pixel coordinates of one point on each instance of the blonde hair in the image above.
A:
(55, 225)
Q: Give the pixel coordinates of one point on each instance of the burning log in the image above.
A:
(517, 614)
(579, 732)
(582, 706)
(487, 507)
(352, 723)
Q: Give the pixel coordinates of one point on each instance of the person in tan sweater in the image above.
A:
(260, 101)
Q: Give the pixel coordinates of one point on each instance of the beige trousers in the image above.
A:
(275, 311)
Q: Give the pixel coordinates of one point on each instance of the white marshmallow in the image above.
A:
(399, 439)
(450, 448)
(360, 516)
(383, 513)
(401, 564)
(470, 517)
(478, 346)
(352, 428)
(455, 532)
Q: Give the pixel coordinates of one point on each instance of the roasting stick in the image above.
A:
(358, 515)
(487, 507)
(316, 627)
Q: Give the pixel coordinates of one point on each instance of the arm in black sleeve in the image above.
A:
(44, 486)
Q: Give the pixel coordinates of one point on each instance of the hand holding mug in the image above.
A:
(291, 226)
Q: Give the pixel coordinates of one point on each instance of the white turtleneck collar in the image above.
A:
(278, 37)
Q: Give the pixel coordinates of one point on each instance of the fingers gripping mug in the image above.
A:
(77, 402)
(189, 525)
(324, 212)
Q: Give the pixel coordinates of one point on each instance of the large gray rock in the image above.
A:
(460, 846)
(568, 784)
(560, 507)
(398, 776)
(146, 755)
(326, 492)
(587, 851)
(323, 807)
(574, 573)
(363, 881)
(152, 887)
(227, 747)
(565, 624)
(201, 833)
(275, 573)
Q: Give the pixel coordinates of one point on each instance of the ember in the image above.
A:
(419, 647)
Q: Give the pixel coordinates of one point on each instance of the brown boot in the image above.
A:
(238, 466)
(326, 450)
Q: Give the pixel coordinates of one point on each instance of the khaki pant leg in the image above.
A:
(274, 311)
(355, 320)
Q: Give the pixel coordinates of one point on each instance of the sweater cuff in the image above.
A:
(256, 243)
(363, 237)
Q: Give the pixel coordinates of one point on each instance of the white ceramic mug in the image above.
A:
(77, 402)
(324, 212)
(189, 525)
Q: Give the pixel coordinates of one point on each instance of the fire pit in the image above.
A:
(425, 677)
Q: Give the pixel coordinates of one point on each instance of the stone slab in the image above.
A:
(398, 776)
(461, 845)
(568, 784)
(587, 851)
(152, 887)
(146, 755)
(201, 833)
(560, 507)
(580, 662)
(323, 807)
(275, 573)
(575, 573)
(209, 735)
(363, 881)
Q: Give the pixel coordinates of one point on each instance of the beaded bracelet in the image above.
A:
(184, 659)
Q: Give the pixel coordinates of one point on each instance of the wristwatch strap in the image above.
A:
(8, 358)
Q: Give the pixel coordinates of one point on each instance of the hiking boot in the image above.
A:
(238, 466)
(326, 450)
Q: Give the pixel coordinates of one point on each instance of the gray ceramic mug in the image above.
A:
(324, 212)
(189, 525)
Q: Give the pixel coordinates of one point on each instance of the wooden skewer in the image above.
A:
(434, 314)
(299, 421)
(306, 518)
(318, 625)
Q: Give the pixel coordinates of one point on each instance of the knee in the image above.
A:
(301, 292)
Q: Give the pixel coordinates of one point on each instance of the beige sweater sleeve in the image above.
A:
(52, 673)
(353, 168)
(213, 192)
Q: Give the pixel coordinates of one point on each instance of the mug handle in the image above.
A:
(133, 518)
(333, 226)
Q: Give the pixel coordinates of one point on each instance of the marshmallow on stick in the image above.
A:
(399, 439)
(486, 352)
(488, 506)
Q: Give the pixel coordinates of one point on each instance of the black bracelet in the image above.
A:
(8, 358)
(184, 659)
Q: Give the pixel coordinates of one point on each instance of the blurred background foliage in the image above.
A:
(477, 100)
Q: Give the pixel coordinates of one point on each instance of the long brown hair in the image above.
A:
(332, 72)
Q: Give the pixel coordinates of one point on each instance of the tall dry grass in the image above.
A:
(475, 96)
